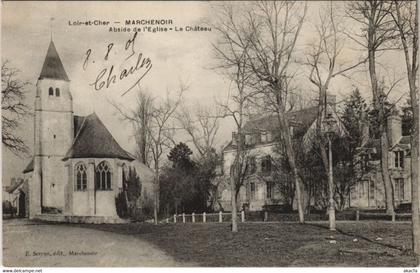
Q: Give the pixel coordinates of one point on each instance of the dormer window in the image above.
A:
(399, 159)
(263, 137)
(51, 91)
(57, 92)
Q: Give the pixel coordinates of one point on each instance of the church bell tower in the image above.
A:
(53, 133)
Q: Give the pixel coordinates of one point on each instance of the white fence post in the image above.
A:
(220, 217)
(243, 216)
(193, 217)
(204, 217)
(357, 215)
(183, 217)
(167, 220)
(174, 218)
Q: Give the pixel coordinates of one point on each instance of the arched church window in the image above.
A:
(81, 177)
(103, 176)
(57, 92)
(51, 91)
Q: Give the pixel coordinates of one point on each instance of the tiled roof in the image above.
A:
(93, 140)
(53, 67)
(301, 120)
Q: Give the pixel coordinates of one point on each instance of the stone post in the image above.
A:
(220, 217)
(183, 217)
(265, 216)
(357, 215)
(167, 220)
(393, 216)
(193, 217)
(242, 216)
(204, 217)
(174, 218)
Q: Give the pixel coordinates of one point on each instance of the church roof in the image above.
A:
(93, 140)
(53, 67)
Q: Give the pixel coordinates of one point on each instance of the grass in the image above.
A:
(278, 244)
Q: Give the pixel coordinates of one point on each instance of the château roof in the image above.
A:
(93, 140)
(53, 67)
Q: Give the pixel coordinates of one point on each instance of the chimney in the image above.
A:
(234, 138)
(331, 100)
(394, 128)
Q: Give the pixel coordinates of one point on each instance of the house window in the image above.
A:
(269, 137)
(399, 159)
(252, 190)
(266, 164)
(362, 188)
(270, 190)
(252, 165)
(51, 91)
(57, 92)
(81, 177)
(103, 176)
(399, 189)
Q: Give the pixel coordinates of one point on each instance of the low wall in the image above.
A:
(80, 219)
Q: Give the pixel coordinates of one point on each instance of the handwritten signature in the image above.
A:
(107, 77)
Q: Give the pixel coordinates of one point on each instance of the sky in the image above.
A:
(176, 57)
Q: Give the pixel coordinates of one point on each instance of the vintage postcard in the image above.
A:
(210, 134)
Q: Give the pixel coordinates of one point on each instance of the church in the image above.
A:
(77, 167)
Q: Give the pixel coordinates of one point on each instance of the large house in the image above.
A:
(260, 189)
(261, 139)
(77, 167)
(369, 191)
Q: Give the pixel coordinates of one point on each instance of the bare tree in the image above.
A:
(159, 130)
(13, 108)
(325, 62)
(405, 17)
(231, 52)
(376, 32)
(274, 30)
(201, 123)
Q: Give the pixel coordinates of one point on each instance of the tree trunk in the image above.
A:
(331, 215)
(233, 197)
(378, 104)
(414, 182)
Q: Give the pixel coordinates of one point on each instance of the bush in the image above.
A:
(8, 208)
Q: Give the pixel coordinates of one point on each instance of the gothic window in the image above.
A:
(57, 92)
(51, 91)
(103, 176)
(399, 159)
(81, 177)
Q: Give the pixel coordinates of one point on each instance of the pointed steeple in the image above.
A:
(53, 67)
